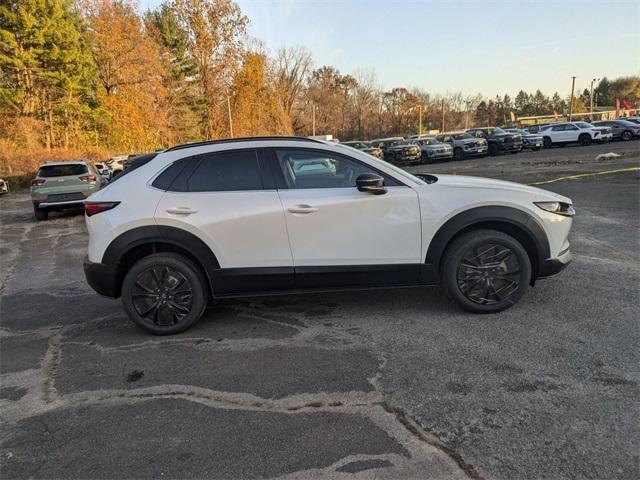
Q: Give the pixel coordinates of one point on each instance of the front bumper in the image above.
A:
(102, 278)
(552, 266)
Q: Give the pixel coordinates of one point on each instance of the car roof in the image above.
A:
(386, 139)
(242, 139)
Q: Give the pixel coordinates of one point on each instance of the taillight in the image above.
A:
(88, 178)
(37, 181)
(91, 208)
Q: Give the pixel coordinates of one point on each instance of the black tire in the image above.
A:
(626, 135)
(40, 213)
(546, 142)
(509, 279)
(493, 150)
(424, 158)
(513, 152)
(535, 149)
(458, 154)
(584, 139)
(164, 293)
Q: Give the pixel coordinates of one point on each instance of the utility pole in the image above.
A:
(443, 115)
(229, 112)
(313, 119)
(420, 120)
(573, 84)
(591, 99)
(466, 122)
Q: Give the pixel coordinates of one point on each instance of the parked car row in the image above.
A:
(479, 142)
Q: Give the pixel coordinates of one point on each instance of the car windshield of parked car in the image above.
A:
(496, 130)
(67, 170)
(358, 145)
(428, 141)
(583, 125)
(461, 136)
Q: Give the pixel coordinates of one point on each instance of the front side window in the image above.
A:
(558, 128)
(226, 171)
(306, 169)
(571, 127)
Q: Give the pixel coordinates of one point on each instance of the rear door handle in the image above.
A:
(302, 209)
(181, 210)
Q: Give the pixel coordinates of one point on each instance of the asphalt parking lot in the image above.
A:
(385, 384)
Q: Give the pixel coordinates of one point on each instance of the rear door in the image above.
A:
(340, 236)
(228, 200)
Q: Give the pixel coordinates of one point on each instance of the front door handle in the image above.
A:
(302, 209)
(181, 210)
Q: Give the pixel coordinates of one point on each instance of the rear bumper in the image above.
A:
(67, 204)
(102, 278)
(552, 266)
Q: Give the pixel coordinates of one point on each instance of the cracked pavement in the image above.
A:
(384, 384)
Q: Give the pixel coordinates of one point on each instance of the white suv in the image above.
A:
(273, 215)
(575, 132)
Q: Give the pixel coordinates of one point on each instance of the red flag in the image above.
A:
(626, 105)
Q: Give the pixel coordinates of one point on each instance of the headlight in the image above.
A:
(560, 208)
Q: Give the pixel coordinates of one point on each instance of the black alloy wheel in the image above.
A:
(546, 141)
(486, 271)
(626, 135)
(458, 154)
(489, 274)
(164, 293)
(585, 139)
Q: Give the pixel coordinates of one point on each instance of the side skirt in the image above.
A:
(244, 282)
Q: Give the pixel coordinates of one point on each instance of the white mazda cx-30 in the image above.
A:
(274, 215)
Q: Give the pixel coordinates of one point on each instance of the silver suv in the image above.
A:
(63, 185)
(464, 145)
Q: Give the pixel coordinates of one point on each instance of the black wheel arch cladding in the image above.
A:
(501, 218)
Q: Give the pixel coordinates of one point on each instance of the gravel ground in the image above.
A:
(385, 384)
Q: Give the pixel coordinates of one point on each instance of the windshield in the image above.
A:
(583, 125)
(461, 136)
(48, 171)
(428, 141)
(497, 130)
(358, 145)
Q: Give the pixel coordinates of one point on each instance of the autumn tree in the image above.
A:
(254, 103)
(215, 29)
(293, 66)
(132, 94)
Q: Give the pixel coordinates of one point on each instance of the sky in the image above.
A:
(487, 46)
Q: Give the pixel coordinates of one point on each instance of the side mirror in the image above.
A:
(371, 183)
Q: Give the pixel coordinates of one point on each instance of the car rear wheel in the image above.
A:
(584, 139)
(626, 135)
(40, 213)
(164, 293)
(486, 271)
(458, 154)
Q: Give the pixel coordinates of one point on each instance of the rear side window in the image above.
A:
(166, 179)
(72, 169)
(226, 171)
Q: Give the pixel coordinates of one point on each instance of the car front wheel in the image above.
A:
(164, 293)
(486, 271)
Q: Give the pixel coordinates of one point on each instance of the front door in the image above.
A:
(340, 236)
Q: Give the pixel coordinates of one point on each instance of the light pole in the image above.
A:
(591, 98)
(420, 120)
(573, 84)
(229, 113)
(443, 115)
(313, 119)
(466, 122)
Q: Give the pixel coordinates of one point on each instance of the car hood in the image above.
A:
(461, 181)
